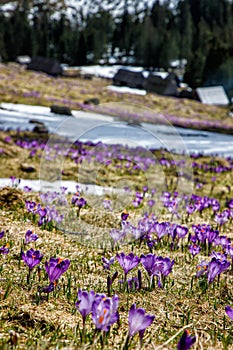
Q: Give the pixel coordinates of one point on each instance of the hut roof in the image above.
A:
(45, 64)
(125, 77)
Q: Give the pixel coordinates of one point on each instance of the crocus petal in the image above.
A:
(229, 311)
(138, 320)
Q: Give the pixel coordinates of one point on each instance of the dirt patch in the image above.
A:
(10, 198)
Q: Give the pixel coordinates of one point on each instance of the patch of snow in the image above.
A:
(108, 71)
(44, 186)
(100, 71)
(23, 59)
(9, 7)
(162, 75)
(17, 107)
(145, 73)
(30, 111)
(126, 90)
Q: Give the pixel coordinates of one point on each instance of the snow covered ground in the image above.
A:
(106, 71)
(45, 186)
(97, 127)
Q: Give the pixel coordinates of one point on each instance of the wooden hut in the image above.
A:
(162, 83)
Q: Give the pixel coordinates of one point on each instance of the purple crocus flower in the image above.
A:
(107, 263)
(167, 265)
(56, 267)
(190, 209)
(75, 198)
(219, 256)
(2, 233)
(117, 234)
(48, 289)
(186, 341)
(107, 204)
(41, 211)
(161, 229)
(14, 181)
(138, 321)
(84, 303)
(30, 236)
(151, 203)
(181, 231)
(30, 206)
(127, 262)
(81, 202)
(211, 235)
(27, 189)
(4, 249)
(202, 268)
(194, 249)
(229, 311)
(32, 258)
(216, 267)
(151, 264)
(104, 311)
(215, 205)
(124, 215)
(165, 268)
(133, 283)
(77, 201)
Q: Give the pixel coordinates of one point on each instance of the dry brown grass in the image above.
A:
(18, 85)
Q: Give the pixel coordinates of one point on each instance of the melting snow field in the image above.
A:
(95, 127)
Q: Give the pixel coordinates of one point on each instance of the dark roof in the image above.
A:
(45, 64)
(125, 77)
(164, 86)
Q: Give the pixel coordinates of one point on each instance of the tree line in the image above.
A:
(198, 30)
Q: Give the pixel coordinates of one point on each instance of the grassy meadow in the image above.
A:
(163, 242)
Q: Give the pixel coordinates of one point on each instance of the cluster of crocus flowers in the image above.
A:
(156, 266)
(104, 309)
(204, 235)
(214, 268)
(138, 199)
(55, 267)
(46, 215)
